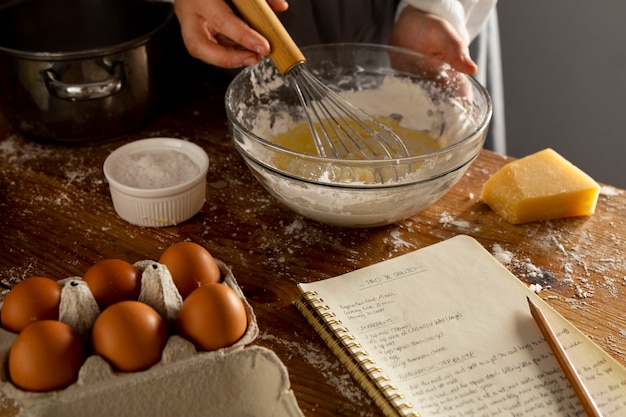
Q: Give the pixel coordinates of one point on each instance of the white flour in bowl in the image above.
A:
(418, 106)
(351, 192)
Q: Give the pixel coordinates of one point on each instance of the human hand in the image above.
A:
(432, 35)
(213, 33)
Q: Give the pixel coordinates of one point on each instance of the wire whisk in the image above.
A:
(339, 128)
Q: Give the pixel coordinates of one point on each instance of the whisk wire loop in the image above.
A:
(339, 128)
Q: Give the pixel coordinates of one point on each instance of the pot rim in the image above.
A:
(95, 52)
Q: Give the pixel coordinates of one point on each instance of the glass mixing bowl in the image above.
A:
(416, 91)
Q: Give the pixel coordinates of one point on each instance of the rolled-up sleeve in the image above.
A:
(467, 16)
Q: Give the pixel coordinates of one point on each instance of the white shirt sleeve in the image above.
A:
(467, 16)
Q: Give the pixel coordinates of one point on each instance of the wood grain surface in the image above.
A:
(57, 219)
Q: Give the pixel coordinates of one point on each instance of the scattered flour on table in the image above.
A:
(503, 256)
(296, 236)
(447, 220)
(9, 276)
(608, 191)
(21, 151)
(14, 150)
(397, 242)
(538, 278)
(318, 359)
(300, 230)
(575, 270)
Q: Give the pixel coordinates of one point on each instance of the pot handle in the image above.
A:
(88, 91)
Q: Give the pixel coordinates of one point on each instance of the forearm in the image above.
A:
(466, 16)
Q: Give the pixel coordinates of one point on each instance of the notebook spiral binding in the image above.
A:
(350, 353)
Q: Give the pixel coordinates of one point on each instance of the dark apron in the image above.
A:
(328, 21)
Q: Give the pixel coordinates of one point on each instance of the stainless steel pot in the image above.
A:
(80, 71)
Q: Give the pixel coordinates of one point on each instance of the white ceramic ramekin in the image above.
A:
(157, 207)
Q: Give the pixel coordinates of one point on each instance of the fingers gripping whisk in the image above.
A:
(339, 128)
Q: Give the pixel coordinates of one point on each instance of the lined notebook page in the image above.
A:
(450, 328)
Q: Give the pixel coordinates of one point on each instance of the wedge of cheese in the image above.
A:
(541, 186)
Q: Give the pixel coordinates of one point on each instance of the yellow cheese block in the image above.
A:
(541, 186)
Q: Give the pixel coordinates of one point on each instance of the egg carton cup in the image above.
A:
(158, 207)
(236, 381)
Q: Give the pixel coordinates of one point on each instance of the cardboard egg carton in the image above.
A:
(236, 381)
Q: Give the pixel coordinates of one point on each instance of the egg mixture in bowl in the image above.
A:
(441, 115)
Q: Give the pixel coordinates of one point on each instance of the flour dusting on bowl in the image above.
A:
(400, 86)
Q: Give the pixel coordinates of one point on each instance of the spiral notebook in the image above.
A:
(446, 331)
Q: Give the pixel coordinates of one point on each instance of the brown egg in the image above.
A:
(33, 299)
(112, 281)
(212, 317)
(191, 266)
(46, 356)
(130, 335)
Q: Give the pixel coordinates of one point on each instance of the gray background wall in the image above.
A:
(564, 66)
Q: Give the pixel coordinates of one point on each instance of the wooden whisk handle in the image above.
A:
(285, 53)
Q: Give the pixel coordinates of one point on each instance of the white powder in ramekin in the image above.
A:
(154, 170)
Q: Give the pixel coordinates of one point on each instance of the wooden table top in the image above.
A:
(57, 219)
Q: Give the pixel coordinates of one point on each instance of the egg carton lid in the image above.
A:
(236, 381)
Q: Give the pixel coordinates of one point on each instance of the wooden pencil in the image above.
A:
(573, 377)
